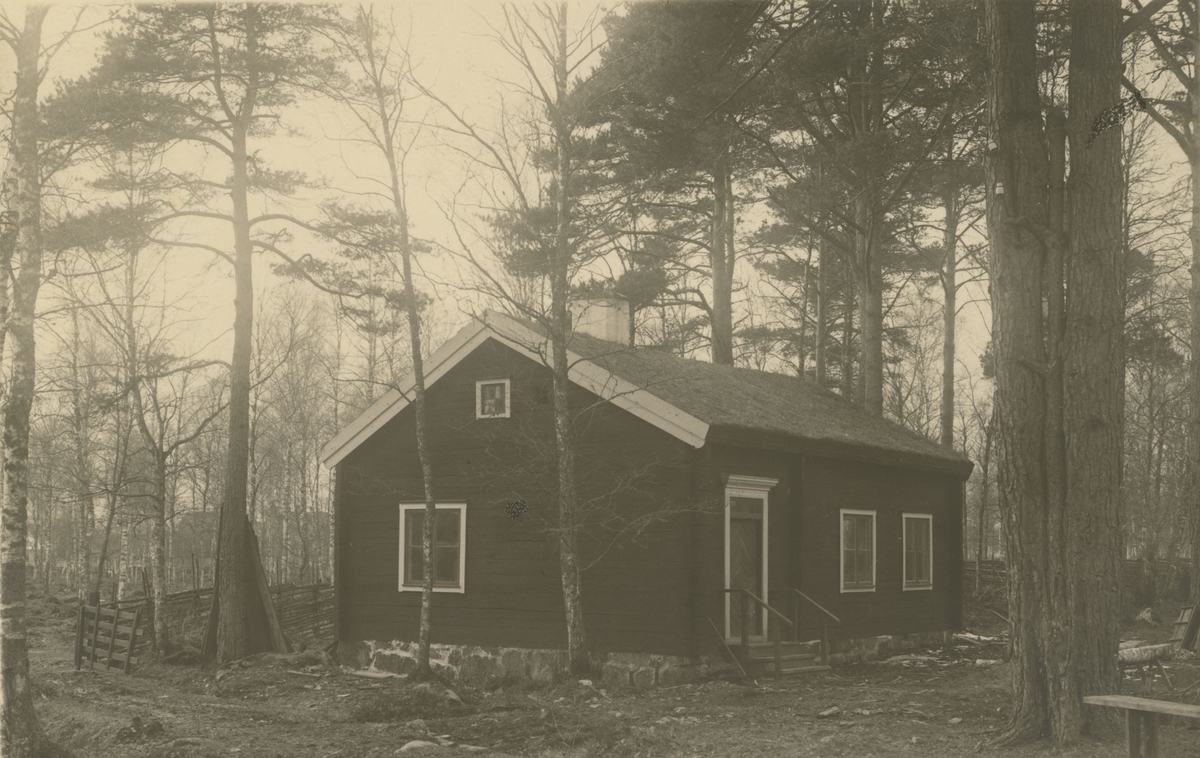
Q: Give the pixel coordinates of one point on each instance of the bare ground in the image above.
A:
(938, 704)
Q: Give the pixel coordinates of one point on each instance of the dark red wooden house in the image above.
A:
(696, 479)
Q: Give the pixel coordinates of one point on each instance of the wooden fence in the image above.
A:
(109, 636)
(303, 610)
(1140, 584)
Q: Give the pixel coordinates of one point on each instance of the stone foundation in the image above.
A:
(481, 665)
(884, 646)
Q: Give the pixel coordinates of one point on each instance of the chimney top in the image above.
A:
(603, 317)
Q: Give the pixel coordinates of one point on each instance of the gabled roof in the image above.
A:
(686, 398)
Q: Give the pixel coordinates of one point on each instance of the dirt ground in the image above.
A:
(937, 703)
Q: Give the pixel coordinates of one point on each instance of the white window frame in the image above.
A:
(758, 488)
(928, 517)
(479, 398)
(462, 546)
(842, 513)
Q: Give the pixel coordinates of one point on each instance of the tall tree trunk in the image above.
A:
(1017, 181)
(848, 343)
(238, 634)
(234, 581)
(1094, 361)
(868, 277)
(822, 310)
(949, 306)
(1192, 498)
(20, 733)
(158, 558)
(720, 255)
(568, 497)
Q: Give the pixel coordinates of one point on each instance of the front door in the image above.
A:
(745, 563)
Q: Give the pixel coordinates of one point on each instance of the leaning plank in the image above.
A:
(132, 641)
(79, 637)
(278, 641)
(1145, 705)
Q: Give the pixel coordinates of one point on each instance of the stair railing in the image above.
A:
(750, 597)
(799, 596)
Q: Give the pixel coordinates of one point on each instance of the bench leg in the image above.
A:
(1150, 747)
(1163, 671)
(1133, 734)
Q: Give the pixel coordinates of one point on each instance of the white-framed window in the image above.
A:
(492, 398)
(918, 551)
(449, 547)
(858, 550)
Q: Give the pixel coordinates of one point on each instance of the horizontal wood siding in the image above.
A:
(830, 485)
(636, 586)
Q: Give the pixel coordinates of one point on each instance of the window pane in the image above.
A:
(493, 400)
(446, 531)
(917, 550)
(445, 561)
(415, 526)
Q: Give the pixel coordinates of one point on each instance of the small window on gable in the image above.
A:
(918, 551)
(491, 398)
(858, 551)
(449, 540)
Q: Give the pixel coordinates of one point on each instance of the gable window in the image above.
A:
(491, 398)
(858, 551)
(918, 551)
(449, 539)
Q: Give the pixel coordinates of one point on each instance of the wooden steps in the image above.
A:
(794, 659)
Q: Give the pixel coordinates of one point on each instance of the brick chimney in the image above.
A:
(602, 317)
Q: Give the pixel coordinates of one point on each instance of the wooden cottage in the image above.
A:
(719, 506)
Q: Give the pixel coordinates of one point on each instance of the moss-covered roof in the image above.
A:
(746, 399)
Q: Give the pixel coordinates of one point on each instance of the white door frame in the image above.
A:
(756, 488)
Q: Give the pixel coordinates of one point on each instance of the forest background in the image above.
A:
(758, 261)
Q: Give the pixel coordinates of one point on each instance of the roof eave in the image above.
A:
(733, 435)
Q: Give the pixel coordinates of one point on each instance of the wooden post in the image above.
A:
(79, 637)
(825, 641)
(112, 641)
(137, 616)
(1133, 733)
(778, 652)
(1150, 745)
(795, 617)
(95, 638)
(746, 623)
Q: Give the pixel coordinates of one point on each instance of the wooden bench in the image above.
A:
(1141, 719)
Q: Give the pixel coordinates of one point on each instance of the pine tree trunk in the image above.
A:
(949, 310)
(20, 733)
(868, 277)
(1094, 362)
(719, 261)
(1192, 498)
(1017, 180)
(234, 581)
(822, 310)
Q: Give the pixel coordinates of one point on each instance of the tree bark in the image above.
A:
(1017, 188)
(822, 310)
(400, 211)
(1094, 361)
(1192, 498)
(949, 306)
(20, 732)
(720, 260)
(568, 497)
